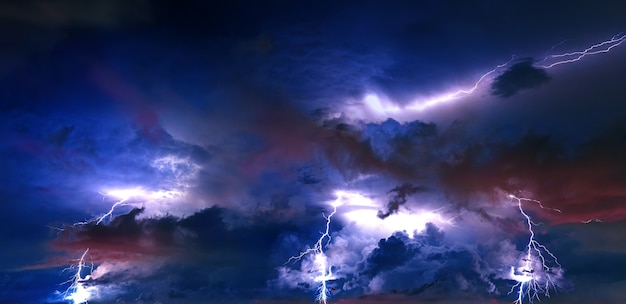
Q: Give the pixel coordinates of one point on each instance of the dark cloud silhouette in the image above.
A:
(400, 196)
(520, 76)
(390, 253)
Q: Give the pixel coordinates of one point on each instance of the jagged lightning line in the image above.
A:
(110, 213)
(77, 292)
(420, 105)
(123, 196)
(537, 276)
(549, 61)
(463, 92)
(598, 48)
(321, 260)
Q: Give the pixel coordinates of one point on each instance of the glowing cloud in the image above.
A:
(324, 270)
(363, 213)
(385, 108)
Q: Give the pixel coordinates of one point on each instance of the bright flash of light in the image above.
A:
(540, 268)
(77, 292)
(424, 104)
(379, 106)
(598, 48)
(363, 212)
(374, 103)
(320, 262)
(408, 222)
(123, 195)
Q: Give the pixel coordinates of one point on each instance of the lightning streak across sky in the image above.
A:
(123, 196)
(598, 48)
(77, 292)
(420, 106)
(540, 268)
(110, 213)
(390, 109)
(325, 272)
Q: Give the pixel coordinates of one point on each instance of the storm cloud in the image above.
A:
(520, 76)
(225, 137)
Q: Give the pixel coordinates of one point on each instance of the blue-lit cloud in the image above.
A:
(229, 131)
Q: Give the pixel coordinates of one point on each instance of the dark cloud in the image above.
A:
(199, 254)
(543, 166)
(551, 171)
(390, 253)
(64, 14)
(520, 76)
(387, 148)
(425, 266)
(239, 110)
(400, 195)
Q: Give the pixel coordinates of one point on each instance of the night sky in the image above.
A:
(250, 152)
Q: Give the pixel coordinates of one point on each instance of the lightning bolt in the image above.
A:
(123, 195)
(456, 94)
(598, 48)
(374, 103)
(325, 272)
(109, 214)
(389, 108)
(77, 292)
(540, 268)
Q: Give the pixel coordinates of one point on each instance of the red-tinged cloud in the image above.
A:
(290, 137)
(132, 100)
(348, 151)
(124, 239)
(199, 249)
(584, 182)
(287, 137)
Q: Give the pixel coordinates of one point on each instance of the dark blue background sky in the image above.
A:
(239, 120)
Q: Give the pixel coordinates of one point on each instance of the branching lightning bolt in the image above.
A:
(77, 292)
(325, 272)
(123, 196)
(598, 48)
(541, 267)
